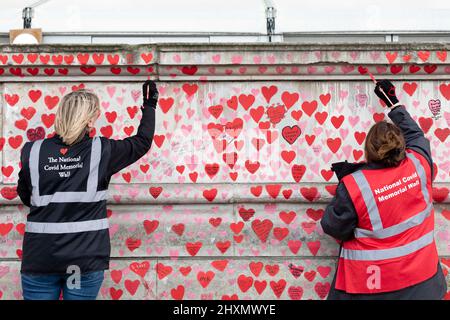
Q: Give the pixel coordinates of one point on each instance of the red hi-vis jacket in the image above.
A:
(394, 245)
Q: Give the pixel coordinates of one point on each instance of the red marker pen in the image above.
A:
(375, 81)
(372, 77)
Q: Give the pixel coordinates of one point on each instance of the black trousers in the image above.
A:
(434, 288)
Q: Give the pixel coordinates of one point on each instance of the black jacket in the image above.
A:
(340, 217)
(45, 253)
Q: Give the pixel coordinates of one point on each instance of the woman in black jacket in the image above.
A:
(64, 180)
(385, 148)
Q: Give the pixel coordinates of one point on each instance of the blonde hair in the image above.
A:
(74, 113)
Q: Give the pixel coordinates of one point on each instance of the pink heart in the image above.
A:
(311, 70)
(236, 59)
(173, 253)
(158, 236)
(365, 124)
(447, 118)
(113, 229)
(354, 55)
(329, 69)
(375, 55)
(262, 69)
(353, 120)
(347, 150)
(343, 94)
(335, 54)
(361, 99)
(4, 270)
(111, 91)
(136, 95)
(381, 70)
(326, 156)
(255, 92)
(347, 69)
(343, 132)
(62, 90)
(315, 167)
(119, 100)
(295, 70)
(105, 105)
(317, 130)
(176, 58)
(271, 59)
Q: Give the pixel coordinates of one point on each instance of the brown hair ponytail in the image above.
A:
(385, 144)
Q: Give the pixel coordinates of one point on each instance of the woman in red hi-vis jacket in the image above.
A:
(383, 214)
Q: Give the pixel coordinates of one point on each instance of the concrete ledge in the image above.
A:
(223, 61)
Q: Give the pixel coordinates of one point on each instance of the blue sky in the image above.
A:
(229, 15)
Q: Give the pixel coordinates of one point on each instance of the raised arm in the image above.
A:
(414, 136)
(127, 151)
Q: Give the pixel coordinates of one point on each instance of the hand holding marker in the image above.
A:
(390, 102)
(150, 94)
